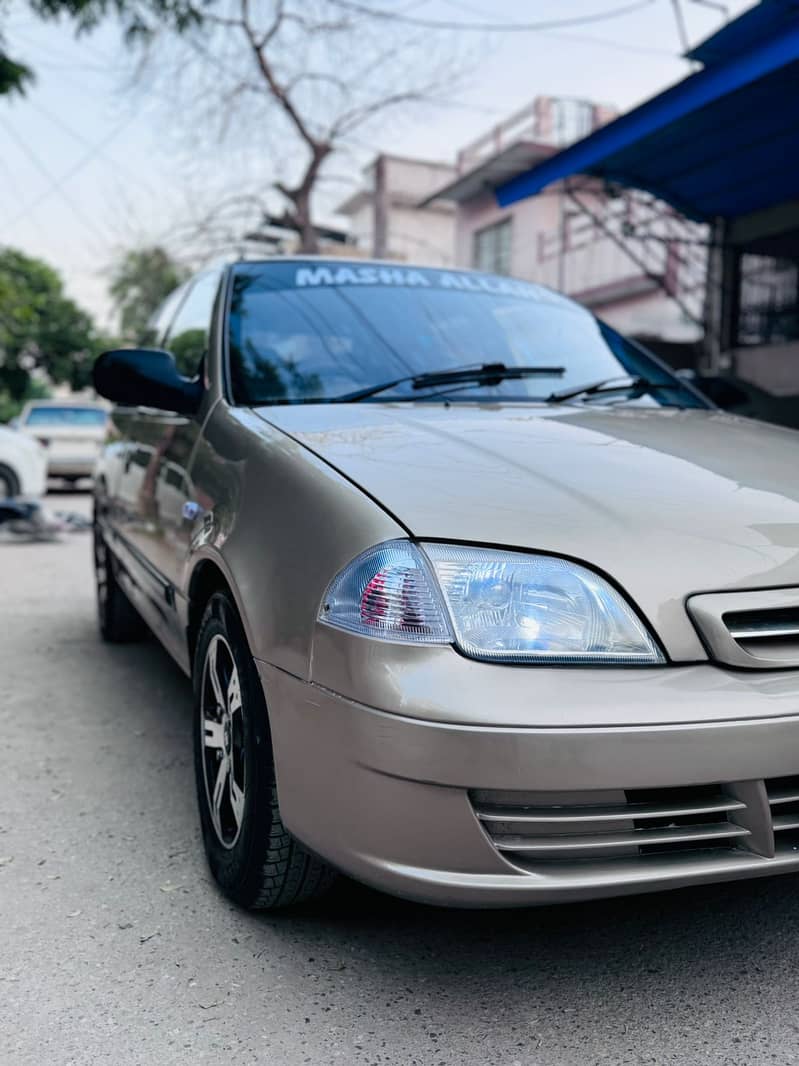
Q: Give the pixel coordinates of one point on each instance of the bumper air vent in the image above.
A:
(539, 827)
(783, 799)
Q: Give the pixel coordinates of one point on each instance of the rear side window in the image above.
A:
(65, 416)
(188, 335)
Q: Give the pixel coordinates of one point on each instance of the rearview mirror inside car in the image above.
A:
(146, 377)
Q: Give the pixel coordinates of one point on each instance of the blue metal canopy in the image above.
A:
(754, 26)
(723, 142)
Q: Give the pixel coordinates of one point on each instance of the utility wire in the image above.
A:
(86, 142)
(602, 42)
(7, 173)
(681, 28)
(490, 27)
(57, 184)
(714, 4)
(618, 46)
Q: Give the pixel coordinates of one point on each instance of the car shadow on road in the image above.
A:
(667, 968)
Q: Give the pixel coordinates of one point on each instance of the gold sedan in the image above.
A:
(482, 604)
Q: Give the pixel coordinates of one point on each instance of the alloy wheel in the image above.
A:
(222, 725)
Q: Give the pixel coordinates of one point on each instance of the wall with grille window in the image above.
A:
(492, 248)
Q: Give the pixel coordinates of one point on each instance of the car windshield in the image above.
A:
(65, 416)
(313, 331)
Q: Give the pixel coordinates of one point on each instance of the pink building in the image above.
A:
(385, 219)
(623, 256)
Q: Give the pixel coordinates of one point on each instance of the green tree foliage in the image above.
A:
(41, 329)
(139, 18)
(10, 407)
(140, 282)
(188, 349)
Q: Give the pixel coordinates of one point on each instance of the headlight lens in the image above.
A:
(495, 605)
(513, 607)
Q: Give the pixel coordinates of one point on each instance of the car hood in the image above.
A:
(664, 501)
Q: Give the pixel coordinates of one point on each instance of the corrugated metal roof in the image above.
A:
(723, 142)
(751, 28)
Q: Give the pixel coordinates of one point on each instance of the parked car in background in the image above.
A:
(71, 431)
(23, 465)
(483, 605)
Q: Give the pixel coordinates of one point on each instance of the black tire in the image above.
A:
(253, 858)
(9, 483)
(120, 622)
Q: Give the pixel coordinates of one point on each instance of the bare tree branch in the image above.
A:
(306, 74)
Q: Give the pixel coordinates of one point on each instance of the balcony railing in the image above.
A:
(555, 121)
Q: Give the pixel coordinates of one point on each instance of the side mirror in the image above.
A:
(145, 377)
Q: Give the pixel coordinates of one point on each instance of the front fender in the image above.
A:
(279, 522)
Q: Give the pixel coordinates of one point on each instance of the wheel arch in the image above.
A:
(12, 478)
(207, 578)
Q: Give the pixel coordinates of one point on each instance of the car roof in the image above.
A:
(359, 260)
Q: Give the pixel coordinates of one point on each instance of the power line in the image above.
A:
(581, 38)
(8, 174)
(618, 46)
(57, 184)
(31, 42)
(490, 27)
(681, 27)
(717, 5)
(79, 137)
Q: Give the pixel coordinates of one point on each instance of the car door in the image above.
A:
(125, 468)
(154, 488)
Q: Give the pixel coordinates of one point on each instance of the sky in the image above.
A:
(95, 160)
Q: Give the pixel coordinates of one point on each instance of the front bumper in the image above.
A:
(392, 800)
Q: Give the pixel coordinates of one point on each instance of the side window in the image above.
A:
(161, 319)
(187, 336)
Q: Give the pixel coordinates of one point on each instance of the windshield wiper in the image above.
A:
(629, 384)
(487, 374)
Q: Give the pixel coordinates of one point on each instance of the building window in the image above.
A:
(768, 311)
(491, 251)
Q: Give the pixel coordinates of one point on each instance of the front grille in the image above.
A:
(771, 635)
(754, 630)
(783, 800)
(544, 827)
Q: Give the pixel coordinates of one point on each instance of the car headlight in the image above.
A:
(388, 592)
(499, 606)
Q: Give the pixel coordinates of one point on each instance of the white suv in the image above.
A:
(23, 465)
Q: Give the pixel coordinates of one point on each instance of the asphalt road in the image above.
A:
(116, 948)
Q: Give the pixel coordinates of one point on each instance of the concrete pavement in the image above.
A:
(117, 949)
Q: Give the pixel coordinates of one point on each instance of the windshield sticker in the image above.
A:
(400, 277)
(362, 275)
